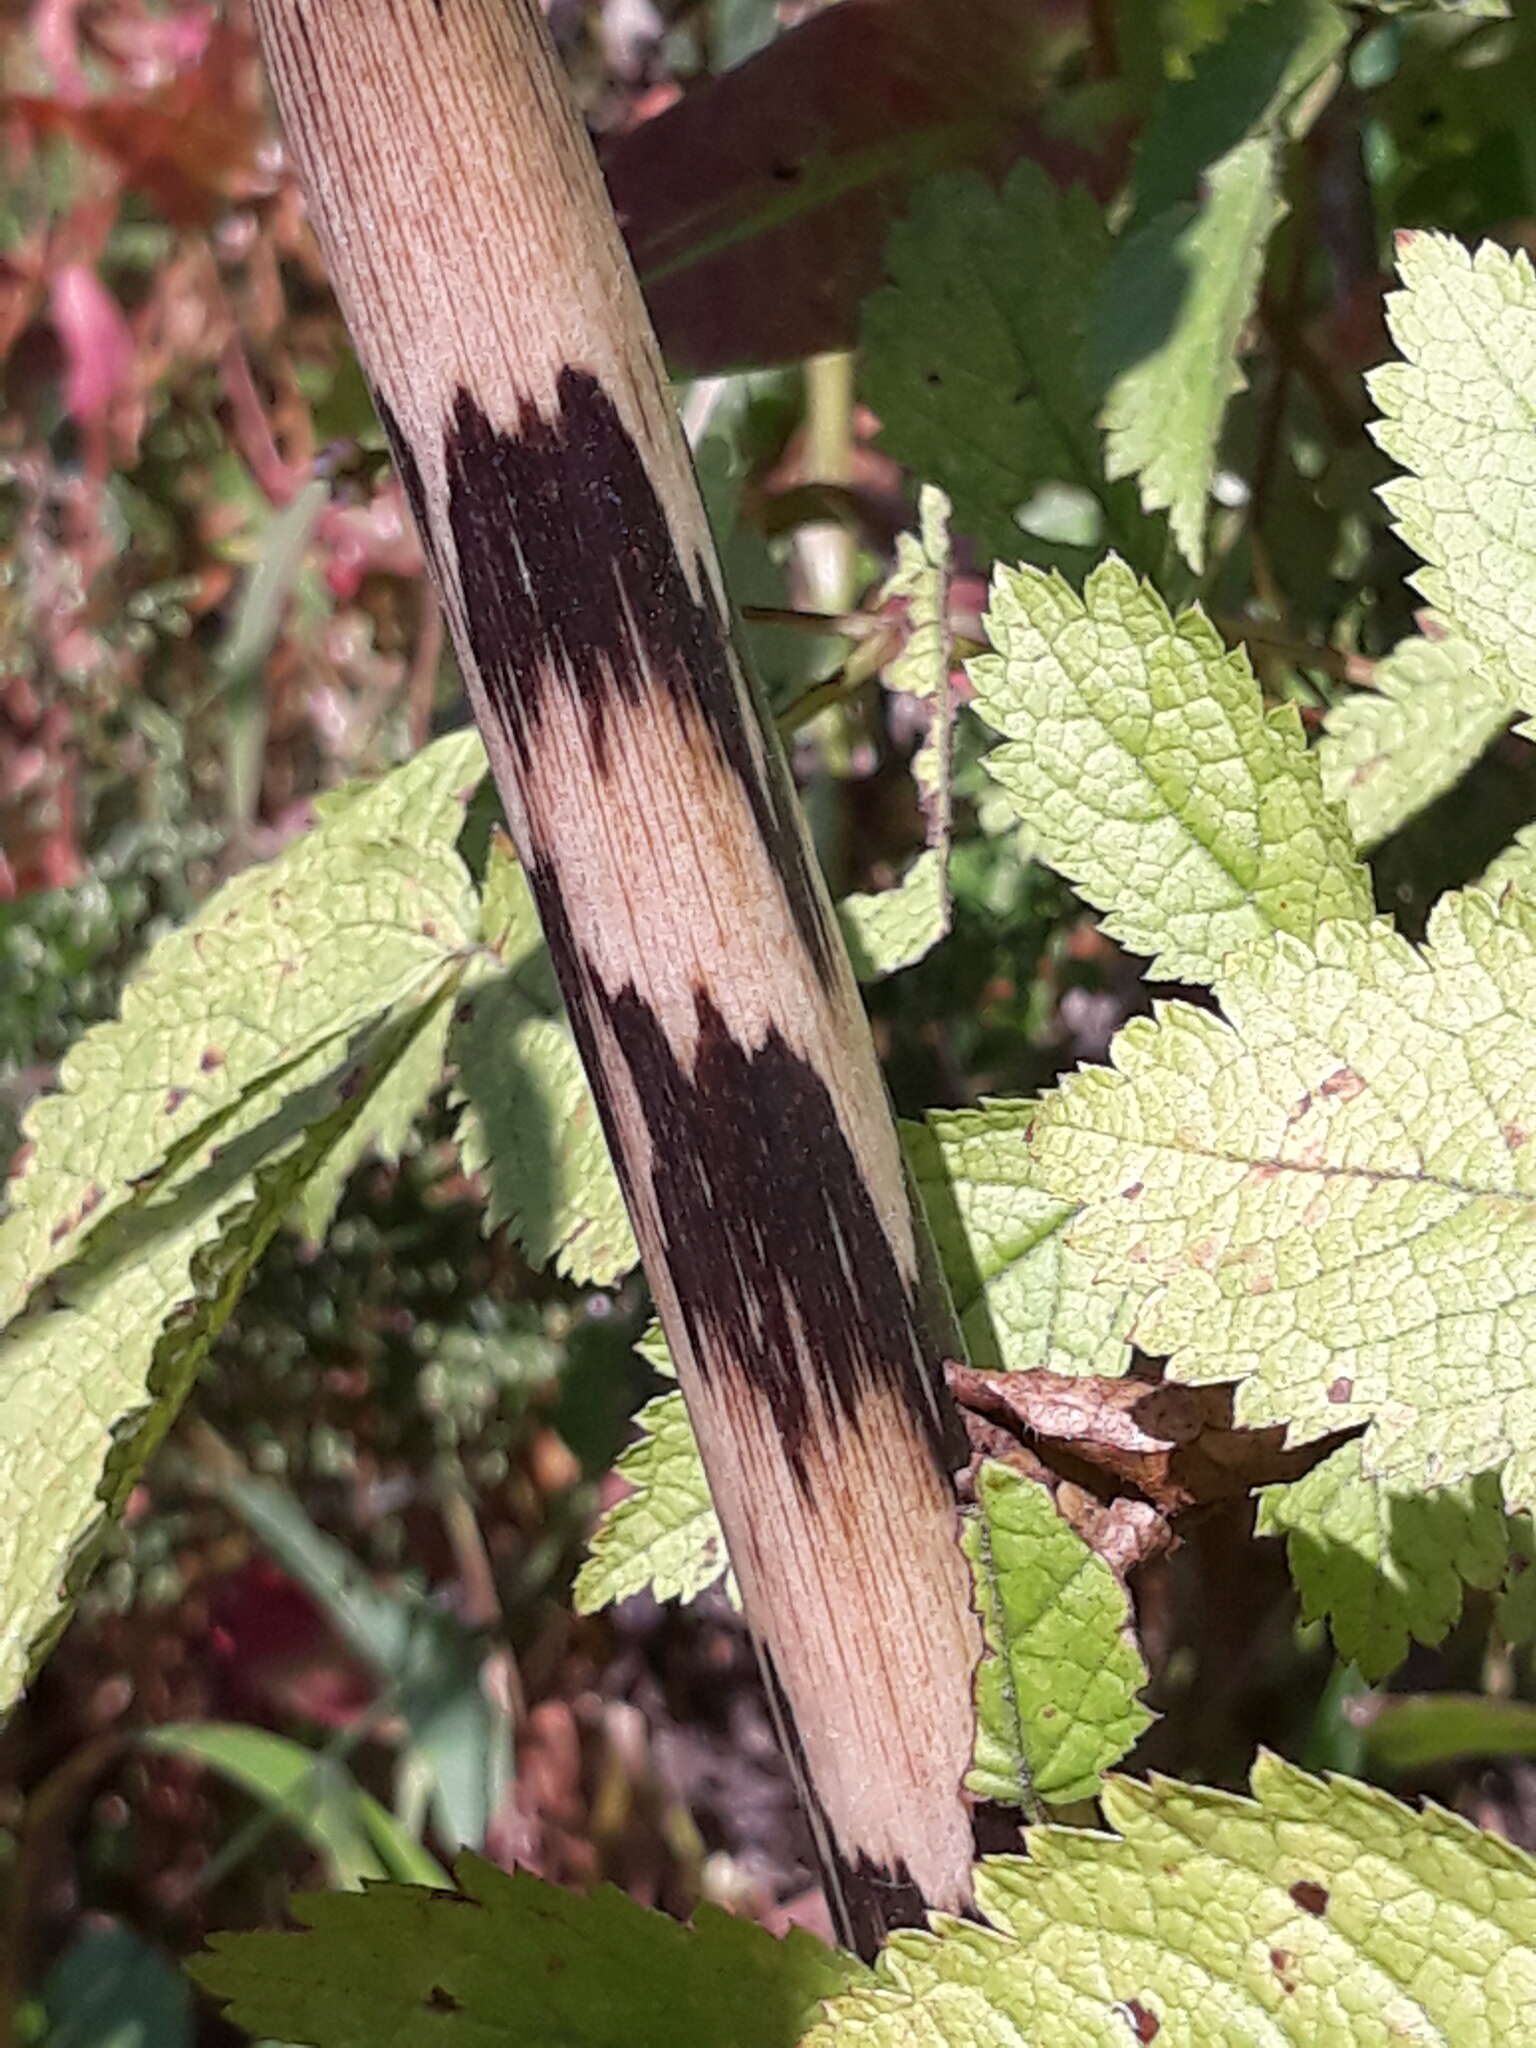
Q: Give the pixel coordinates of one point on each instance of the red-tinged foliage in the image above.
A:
(38, 848)
(825, 131)
(276, 1656)
(188, 144)
(97, 343)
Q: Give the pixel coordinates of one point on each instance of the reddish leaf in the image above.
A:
(96, 340)
(188, 144)
(38, 847)
(757, 207)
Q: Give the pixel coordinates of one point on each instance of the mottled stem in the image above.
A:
(480, 268)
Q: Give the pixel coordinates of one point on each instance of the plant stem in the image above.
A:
(496, 312)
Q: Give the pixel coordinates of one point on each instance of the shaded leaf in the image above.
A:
(514, 1959)
(1416, 1732)
(1383, 1565)
(1024, 1297)
(430, 1663)
(1186, 283)
(974, 359)
(110, 1989)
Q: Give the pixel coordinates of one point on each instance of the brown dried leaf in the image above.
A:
(1175, 1447)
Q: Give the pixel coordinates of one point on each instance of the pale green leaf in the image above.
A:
(512, 1959)
(528, 1121)
(249, 1001)
(1387, 752)
(887, 929)
(1332, 1197)
(1380, 1564)
(1468, 10)
(424, 799)
(893, 928)
(1151, 775)
(1320, 1913)
(1056, 1701)
(663, 1536)
(309, 1792)
(1459, 413)
(1024, 1297)
(974, 358)
(651, 1345)
(1187, 281)
(922, 666)
(94, 1378)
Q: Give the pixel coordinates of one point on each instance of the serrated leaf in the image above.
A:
(1024, 1296)
(1187, 282)
(1387, 752)
(1248, 82)
(973, 357)
(1152, 776)
(893, 928)
(1319, 1913)
(888, 929)
(1056, 1701)
(94, 1379)
(1457, 414)
(1381, 1565)
(351, 921)
(515, 1959)
(1180, 288)
(663, 1537)
(1330, 1197)
(922, 666)
(528, 1121)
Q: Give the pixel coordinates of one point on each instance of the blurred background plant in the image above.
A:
(333, 1636)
